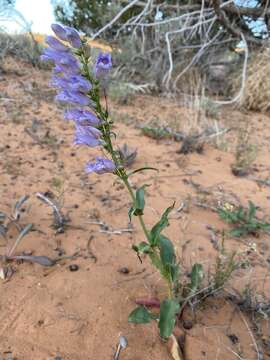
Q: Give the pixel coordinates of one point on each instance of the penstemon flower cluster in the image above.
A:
(82, 87)
(77, 88)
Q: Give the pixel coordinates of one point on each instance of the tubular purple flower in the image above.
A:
(82, 116)
(103, 65)
(72, 97)
(65, 61)
(56, 70)
(90, 130)
(68, 67)
(73, 37)
(101, 166)
(72, 83)
(56, 44)
(59, 31)
(79, 83)
(86, 136)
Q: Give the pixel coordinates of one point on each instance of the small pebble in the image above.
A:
(73, 267)
(123, 270)
(187, 324)
(234, 339)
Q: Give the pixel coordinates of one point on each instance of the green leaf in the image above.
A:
(237, 232)
(166, 248)
(140, 315)
(251, 211)
(142, 169)
(143, 247)
(174, 272)
(140, 202)
(196, 278)
(156, 261)
(167, 317)
(239, 215)
(160, 226)
(264, 226)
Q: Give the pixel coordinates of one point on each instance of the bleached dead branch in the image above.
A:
(169, 45)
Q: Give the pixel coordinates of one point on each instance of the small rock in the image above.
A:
(73, 267)
(234, 339)
(124, 270)
(187, 324)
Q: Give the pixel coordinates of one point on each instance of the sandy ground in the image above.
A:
(45, 312)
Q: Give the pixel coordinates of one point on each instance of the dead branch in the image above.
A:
(167, 47)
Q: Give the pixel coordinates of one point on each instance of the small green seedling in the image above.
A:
(157, 133)
(244, 221)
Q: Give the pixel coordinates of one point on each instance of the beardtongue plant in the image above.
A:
(82, 89)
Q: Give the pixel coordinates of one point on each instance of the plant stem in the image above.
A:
(120, 170)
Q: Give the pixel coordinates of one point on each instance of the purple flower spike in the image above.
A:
(83, 136)
(82, 116)
(101, 166)
(72, 97)
(56, 44)
(73, 37)
(103, 65)
(60, 31)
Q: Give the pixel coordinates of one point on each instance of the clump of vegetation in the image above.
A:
(56, 203)
(257, 90)
(157, 132)
(245, 153)
(127, 155)
(211, 108)
(21, 47)
(121, 92)
(243, 220)
(255, 303)
(226, 264)
(6, 223)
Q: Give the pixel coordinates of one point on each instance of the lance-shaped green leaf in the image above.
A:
(168, 259)
(140, 315)
(156, 261)
(167, 317)
(251, 211)
(160, 226)
(142, 169)
(237, 232)
(138, 207)
(140, 202)
(196, 278)
(166, 248)
(264, 226)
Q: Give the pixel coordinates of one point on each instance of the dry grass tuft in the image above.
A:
(257, 90)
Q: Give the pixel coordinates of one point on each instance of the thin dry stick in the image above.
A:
(107, 26)
(251, 335)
